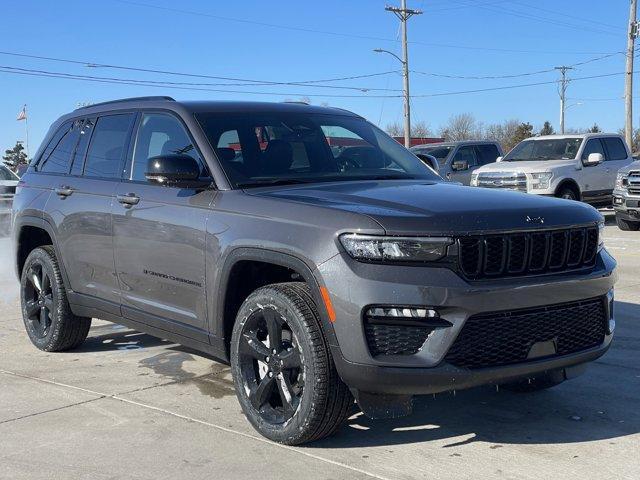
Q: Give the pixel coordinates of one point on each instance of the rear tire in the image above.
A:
(541, 382)
(48, 319)
(627, 225)
(283, 371)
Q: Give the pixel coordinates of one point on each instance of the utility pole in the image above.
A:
(562, 90)
(628, 82)
(404, 14)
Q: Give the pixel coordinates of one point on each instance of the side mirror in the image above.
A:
(593, 159)
(428, 160)
(459, 165)
(175, 170)
(499, 159)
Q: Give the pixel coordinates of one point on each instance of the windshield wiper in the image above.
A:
(272, 181)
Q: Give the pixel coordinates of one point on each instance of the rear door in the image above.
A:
(159, 235)
(91, 155)
(617, 158)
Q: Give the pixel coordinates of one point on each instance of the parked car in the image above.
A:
(574, 167)
(8, 183)
(626, 197)
(458, 160)
(233, 228)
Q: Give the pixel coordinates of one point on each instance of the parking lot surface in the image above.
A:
(127, 405)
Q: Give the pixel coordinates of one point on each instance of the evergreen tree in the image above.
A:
(14, 157)
(547, 129)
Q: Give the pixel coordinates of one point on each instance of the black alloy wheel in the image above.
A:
(38, 299)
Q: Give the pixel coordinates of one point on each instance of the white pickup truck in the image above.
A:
(575, 167)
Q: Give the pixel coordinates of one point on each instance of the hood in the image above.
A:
(417, 207)
(632, 166)
(526, 167)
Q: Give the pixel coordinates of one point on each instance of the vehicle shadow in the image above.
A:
(602, 404)
(110, 337)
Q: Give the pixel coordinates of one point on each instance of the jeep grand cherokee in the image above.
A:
(305, 247)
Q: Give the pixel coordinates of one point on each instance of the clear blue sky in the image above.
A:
(289, 41)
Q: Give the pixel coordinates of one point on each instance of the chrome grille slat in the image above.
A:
(510, 181)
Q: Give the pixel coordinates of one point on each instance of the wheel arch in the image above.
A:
(229, 300)
(30, 233)
(569, 183)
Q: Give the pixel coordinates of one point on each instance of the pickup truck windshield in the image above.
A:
(553, 149)
(284, 148)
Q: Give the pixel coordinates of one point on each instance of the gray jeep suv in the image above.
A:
(309, 250)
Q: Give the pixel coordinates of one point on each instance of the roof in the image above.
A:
(214, 106)
(574, 135)
(454, 144)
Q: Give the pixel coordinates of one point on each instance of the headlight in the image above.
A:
(474, 180)
(395, 249)
(540, 181)
(619, 181)
(600, 235)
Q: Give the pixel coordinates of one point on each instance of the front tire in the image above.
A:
(567, 194)
(627, 225)
(283, 372)
(48, 319)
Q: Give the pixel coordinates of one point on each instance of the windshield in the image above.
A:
(6, 174)
(554, 149)
(440, 153)
(280, 148)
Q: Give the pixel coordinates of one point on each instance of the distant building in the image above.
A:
(419, 140)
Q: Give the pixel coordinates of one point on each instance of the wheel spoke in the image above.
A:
(260, 394)
(43, 320)
(290, 359)
(286, 394)
(35, 281)
(250, 345)
(274, 328)
(46, 283)
(31, 307)
(48, 302)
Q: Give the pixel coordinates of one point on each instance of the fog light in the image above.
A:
(406, 312)
(618, 201)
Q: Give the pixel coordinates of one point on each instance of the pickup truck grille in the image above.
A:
(504, 338)
(527, 253)
(633, 183)
(510, 181)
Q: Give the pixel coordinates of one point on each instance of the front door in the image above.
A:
(159, 235)
(594, 179)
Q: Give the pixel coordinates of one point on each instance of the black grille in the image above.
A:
(395, 339)
(503, 338)
(491, 256)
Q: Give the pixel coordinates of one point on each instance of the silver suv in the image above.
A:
(575, 167)
(626, 197)
(458, 160)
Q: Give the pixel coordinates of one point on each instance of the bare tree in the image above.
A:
(419, 129)
(462, 127)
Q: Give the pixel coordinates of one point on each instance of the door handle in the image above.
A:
(64, 191)
(128, 200)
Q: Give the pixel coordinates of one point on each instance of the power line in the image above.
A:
(344, 34)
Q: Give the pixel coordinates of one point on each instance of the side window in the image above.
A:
(107, 147)
(159, 134)
(81, 150)
(615, 148)
(593, 146)
(466, 153)
(487, 153)
(58, 155)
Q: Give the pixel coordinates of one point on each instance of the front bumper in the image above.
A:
(626, 206)
(354, 286)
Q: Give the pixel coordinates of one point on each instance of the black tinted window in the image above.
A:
(85, 136)
(615, 147)
(159, 134)
(107, 148)
(593, 146)
(59, 153)
(487, 153)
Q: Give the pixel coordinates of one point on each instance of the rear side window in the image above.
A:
(58, 156)
(615, 148)
(487, 153)
(593, 146)
(85, 135)
(108, 144)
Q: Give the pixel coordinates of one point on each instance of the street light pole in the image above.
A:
(562, 91)
(404, 14)
(628, 83)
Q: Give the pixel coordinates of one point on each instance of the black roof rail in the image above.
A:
(132, 99)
